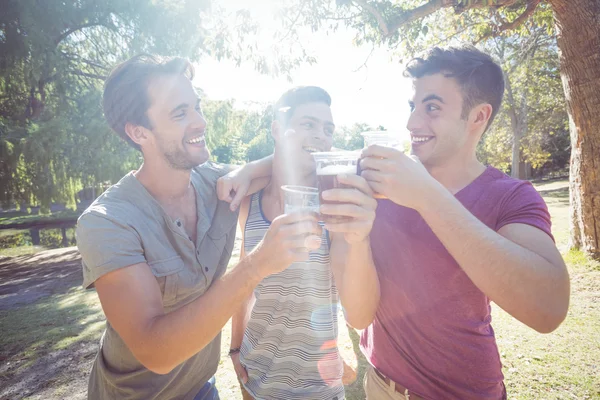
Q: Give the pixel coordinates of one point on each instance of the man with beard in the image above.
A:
(156, 245)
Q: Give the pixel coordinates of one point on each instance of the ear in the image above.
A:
(480, 116)
(276, 130)
(137, 133)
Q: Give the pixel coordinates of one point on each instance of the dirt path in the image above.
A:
(31, 368)
(26, 279)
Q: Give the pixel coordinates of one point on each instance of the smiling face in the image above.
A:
(313, 128)
(439, 133)
(177, 123)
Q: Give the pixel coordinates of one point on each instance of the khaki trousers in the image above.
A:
(377, 389)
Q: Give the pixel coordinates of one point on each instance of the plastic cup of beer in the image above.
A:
(329, 166)
(391, 139)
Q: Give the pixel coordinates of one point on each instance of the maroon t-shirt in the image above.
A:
(432, 332)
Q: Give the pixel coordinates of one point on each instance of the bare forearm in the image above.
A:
(523, 283)
(239, 322)
(356, 279)
(174, 337)
(261, 168)
(257, 184)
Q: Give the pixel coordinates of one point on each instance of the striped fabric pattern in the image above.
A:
(290, 343)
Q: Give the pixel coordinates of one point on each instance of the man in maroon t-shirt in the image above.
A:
(453, 236)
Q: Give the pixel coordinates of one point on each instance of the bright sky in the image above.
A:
(376, 94)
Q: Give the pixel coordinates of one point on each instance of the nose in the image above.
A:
(415, 122)
(320, 134)
(198, 122)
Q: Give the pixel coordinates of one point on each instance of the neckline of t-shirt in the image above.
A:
(488, 170)
(156, 203)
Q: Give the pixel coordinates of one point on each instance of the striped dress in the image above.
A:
(290, 343)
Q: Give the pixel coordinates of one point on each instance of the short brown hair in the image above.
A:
(288, 102)
(125, 98)
(480, 78)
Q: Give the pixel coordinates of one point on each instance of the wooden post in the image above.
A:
(35, 236)
(65, 240)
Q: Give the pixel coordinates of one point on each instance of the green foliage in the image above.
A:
(349, 138)
(533, 112)
(54, 56)
(49, 239)
(236, 136)
(529, 54)
(11, 239)
(261, 146)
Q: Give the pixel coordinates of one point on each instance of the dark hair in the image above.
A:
(287, 103)
(125, 98)
(479, 77)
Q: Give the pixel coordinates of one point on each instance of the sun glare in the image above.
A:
(375, 93)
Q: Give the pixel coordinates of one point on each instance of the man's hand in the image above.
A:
(356, 202)
(240, 371)
(289, 240)
(400, 178)
(233, 187)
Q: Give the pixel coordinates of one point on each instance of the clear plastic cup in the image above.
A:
(300, 198)
(329, 166)
(394, 139)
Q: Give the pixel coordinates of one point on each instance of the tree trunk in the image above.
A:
(525, 170)
(578, 28)
(515, 124)
(515, 169)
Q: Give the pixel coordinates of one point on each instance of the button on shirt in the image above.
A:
(127, 226)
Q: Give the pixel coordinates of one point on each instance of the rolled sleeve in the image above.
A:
(106, 245)
(524, 205)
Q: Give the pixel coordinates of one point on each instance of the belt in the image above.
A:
(399, 388)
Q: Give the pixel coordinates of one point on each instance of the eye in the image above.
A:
(328, 131)
(180, 115)
(432, 107)
(308, 125)
(411, 106)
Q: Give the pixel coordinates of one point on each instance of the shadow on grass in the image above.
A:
(49, 343)
(355, 390)
(561, 194)
(29, 278)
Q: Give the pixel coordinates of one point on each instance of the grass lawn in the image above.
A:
(54, 339)
(19, 218)
(21, 251)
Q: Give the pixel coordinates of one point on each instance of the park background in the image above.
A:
(57, 154)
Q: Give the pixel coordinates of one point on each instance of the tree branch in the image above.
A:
(433, 5)
(420, 12)
(364, 65)
(293, 22)
(77, 58)
(375, 13)
(87, 75)
(468, 4)
(497, 30)
(68, 32)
